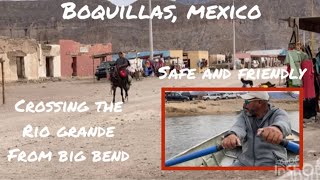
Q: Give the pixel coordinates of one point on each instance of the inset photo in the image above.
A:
(232, 129)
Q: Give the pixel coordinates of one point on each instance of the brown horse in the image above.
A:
(117, 81)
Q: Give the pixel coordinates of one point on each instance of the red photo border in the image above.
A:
(267, 168)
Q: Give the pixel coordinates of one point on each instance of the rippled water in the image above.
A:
(183, 133)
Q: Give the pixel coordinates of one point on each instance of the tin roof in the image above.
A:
(305, 23)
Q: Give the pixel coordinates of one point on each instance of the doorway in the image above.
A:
(20, 68)
(74, 66)
(49, 66)
(186, 62)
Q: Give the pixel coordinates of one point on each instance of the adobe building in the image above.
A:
(25, 59)
(197, 60)
(245, 60)
(20, 58)
(49, 61)
(177, 57)
(215, 59)
(76, 58)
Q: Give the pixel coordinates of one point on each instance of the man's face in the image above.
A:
(121, 55)
(251, 107)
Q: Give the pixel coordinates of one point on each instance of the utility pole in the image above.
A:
(3, 89)
(312, 34)
(150, 32)
(304, 37)
(234, 42)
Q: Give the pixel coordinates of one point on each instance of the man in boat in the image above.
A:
(122, 63)
(259, 129)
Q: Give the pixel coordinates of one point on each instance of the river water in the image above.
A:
(182, 133)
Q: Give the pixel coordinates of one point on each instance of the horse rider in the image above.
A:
(121, 64)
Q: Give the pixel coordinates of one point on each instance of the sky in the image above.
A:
(122, 2)
(116, 2)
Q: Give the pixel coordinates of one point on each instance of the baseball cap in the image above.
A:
(256, 95)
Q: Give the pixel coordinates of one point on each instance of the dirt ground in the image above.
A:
(138, 132)
(230, 106)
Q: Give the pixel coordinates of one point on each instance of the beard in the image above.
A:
(249, 112)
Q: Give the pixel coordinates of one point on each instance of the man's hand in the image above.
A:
(231, 142)
(271, 134)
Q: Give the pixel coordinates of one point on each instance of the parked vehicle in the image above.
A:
(229, 96)
(238, 95)
(213, 96)
(102, 70)
(174, 96)
(189, 95)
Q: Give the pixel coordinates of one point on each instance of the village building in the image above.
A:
(198, 60)
(76, 58)
(49, 61)
(176, 56)
(25, 59)
(268, 58)
(215, 59)
(168, 57)
(245, 60)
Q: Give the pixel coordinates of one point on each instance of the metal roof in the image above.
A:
(305, 23)
(132, 55)
(275, 52)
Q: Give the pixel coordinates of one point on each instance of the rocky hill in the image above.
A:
(42, 20)
(193, 1)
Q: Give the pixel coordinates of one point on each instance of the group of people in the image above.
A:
(123, 63)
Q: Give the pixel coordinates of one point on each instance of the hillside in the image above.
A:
(43, 21)
(193, 1)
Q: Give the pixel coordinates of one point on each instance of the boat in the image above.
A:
(228, 157)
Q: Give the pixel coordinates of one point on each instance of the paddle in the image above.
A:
(194, 155)
(289, 145)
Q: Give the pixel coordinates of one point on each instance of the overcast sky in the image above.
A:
(116, 2)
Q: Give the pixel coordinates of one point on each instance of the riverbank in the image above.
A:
(231, 106)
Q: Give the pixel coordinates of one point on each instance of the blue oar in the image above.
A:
(289, 145)
(194, 155)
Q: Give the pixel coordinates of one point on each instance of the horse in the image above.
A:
(117, 81)
(136, 74)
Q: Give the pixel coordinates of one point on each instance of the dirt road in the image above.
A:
(137, 132)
